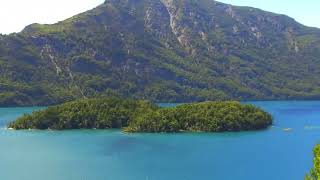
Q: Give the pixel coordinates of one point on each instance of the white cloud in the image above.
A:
(16, 14)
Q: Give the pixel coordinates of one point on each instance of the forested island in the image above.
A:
(315, 171)
(143, 116)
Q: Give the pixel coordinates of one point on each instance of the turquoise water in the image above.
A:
(272, 154)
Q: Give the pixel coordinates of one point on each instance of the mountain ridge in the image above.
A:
(163, 50)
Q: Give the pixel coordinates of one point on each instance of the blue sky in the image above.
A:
(16, 14)
(306, 12)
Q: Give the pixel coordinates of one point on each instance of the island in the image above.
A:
(315, 171)
(143, 116)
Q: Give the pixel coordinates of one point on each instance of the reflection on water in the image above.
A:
(312, 127)
(129, 144)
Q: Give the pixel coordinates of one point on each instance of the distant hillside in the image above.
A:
(164, 51)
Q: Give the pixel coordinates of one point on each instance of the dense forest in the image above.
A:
(315, 171)
(143, 116)
(206, 116)
(163, 51)
(101, 113)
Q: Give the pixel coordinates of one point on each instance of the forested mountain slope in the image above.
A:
(162, 50)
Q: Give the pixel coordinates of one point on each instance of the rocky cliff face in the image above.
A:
(162, 50)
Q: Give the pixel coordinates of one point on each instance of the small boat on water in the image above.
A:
(287, 129)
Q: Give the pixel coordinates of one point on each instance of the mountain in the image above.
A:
(164, 51)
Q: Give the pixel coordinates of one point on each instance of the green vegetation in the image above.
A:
(99, 113)
(315, 171)
(213, 52)
(142, 116)
(206, 116)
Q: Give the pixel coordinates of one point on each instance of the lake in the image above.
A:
(272, 154)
